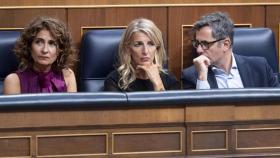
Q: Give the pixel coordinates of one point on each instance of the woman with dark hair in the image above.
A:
(45, 55)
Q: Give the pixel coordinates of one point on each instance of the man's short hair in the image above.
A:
(221, 24)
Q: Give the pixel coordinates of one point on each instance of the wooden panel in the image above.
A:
(258, 138)
(113, 17)
(71, 145)
(120, 2)
(179, 16)
(15, 146)
(188, 52)
(257, 112)
(59, 118)
(232, 113)
(273, 21)
(19, 18)
(209, 114)
(209, 140)
(147, 142)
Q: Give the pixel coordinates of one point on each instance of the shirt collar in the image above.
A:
(218, 71)
(233, 63)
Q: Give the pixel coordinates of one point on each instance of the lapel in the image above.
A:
(244, 71)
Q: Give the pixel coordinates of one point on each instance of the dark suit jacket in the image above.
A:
(254, 72)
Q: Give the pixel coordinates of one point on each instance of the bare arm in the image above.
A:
(70, 79)
(12, 84)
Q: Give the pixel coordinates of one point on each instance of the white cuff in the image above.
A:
(202, 84)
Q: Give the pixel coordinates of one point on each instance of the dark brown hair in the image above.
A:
(67, 55)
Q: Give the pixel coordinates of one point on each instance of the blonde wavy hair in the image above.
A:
(125, 68)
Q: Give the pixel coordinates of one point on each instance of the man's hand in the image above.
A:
(201, 64)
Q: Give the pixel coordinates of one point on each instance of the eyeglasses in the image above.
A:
(204, 44)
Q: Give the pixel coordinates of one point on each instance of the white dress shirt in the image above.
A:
(224, 80)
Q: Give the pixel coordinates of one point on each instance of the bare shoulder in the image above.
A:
(70, 80)
(68, 72)
(12, 78)
(12, 84)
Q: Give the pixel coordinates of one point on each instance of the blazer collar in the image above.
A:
(244, 70)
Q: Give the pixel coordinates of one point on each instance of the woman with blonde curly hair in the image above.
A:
(141, 59)
(45, 55)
